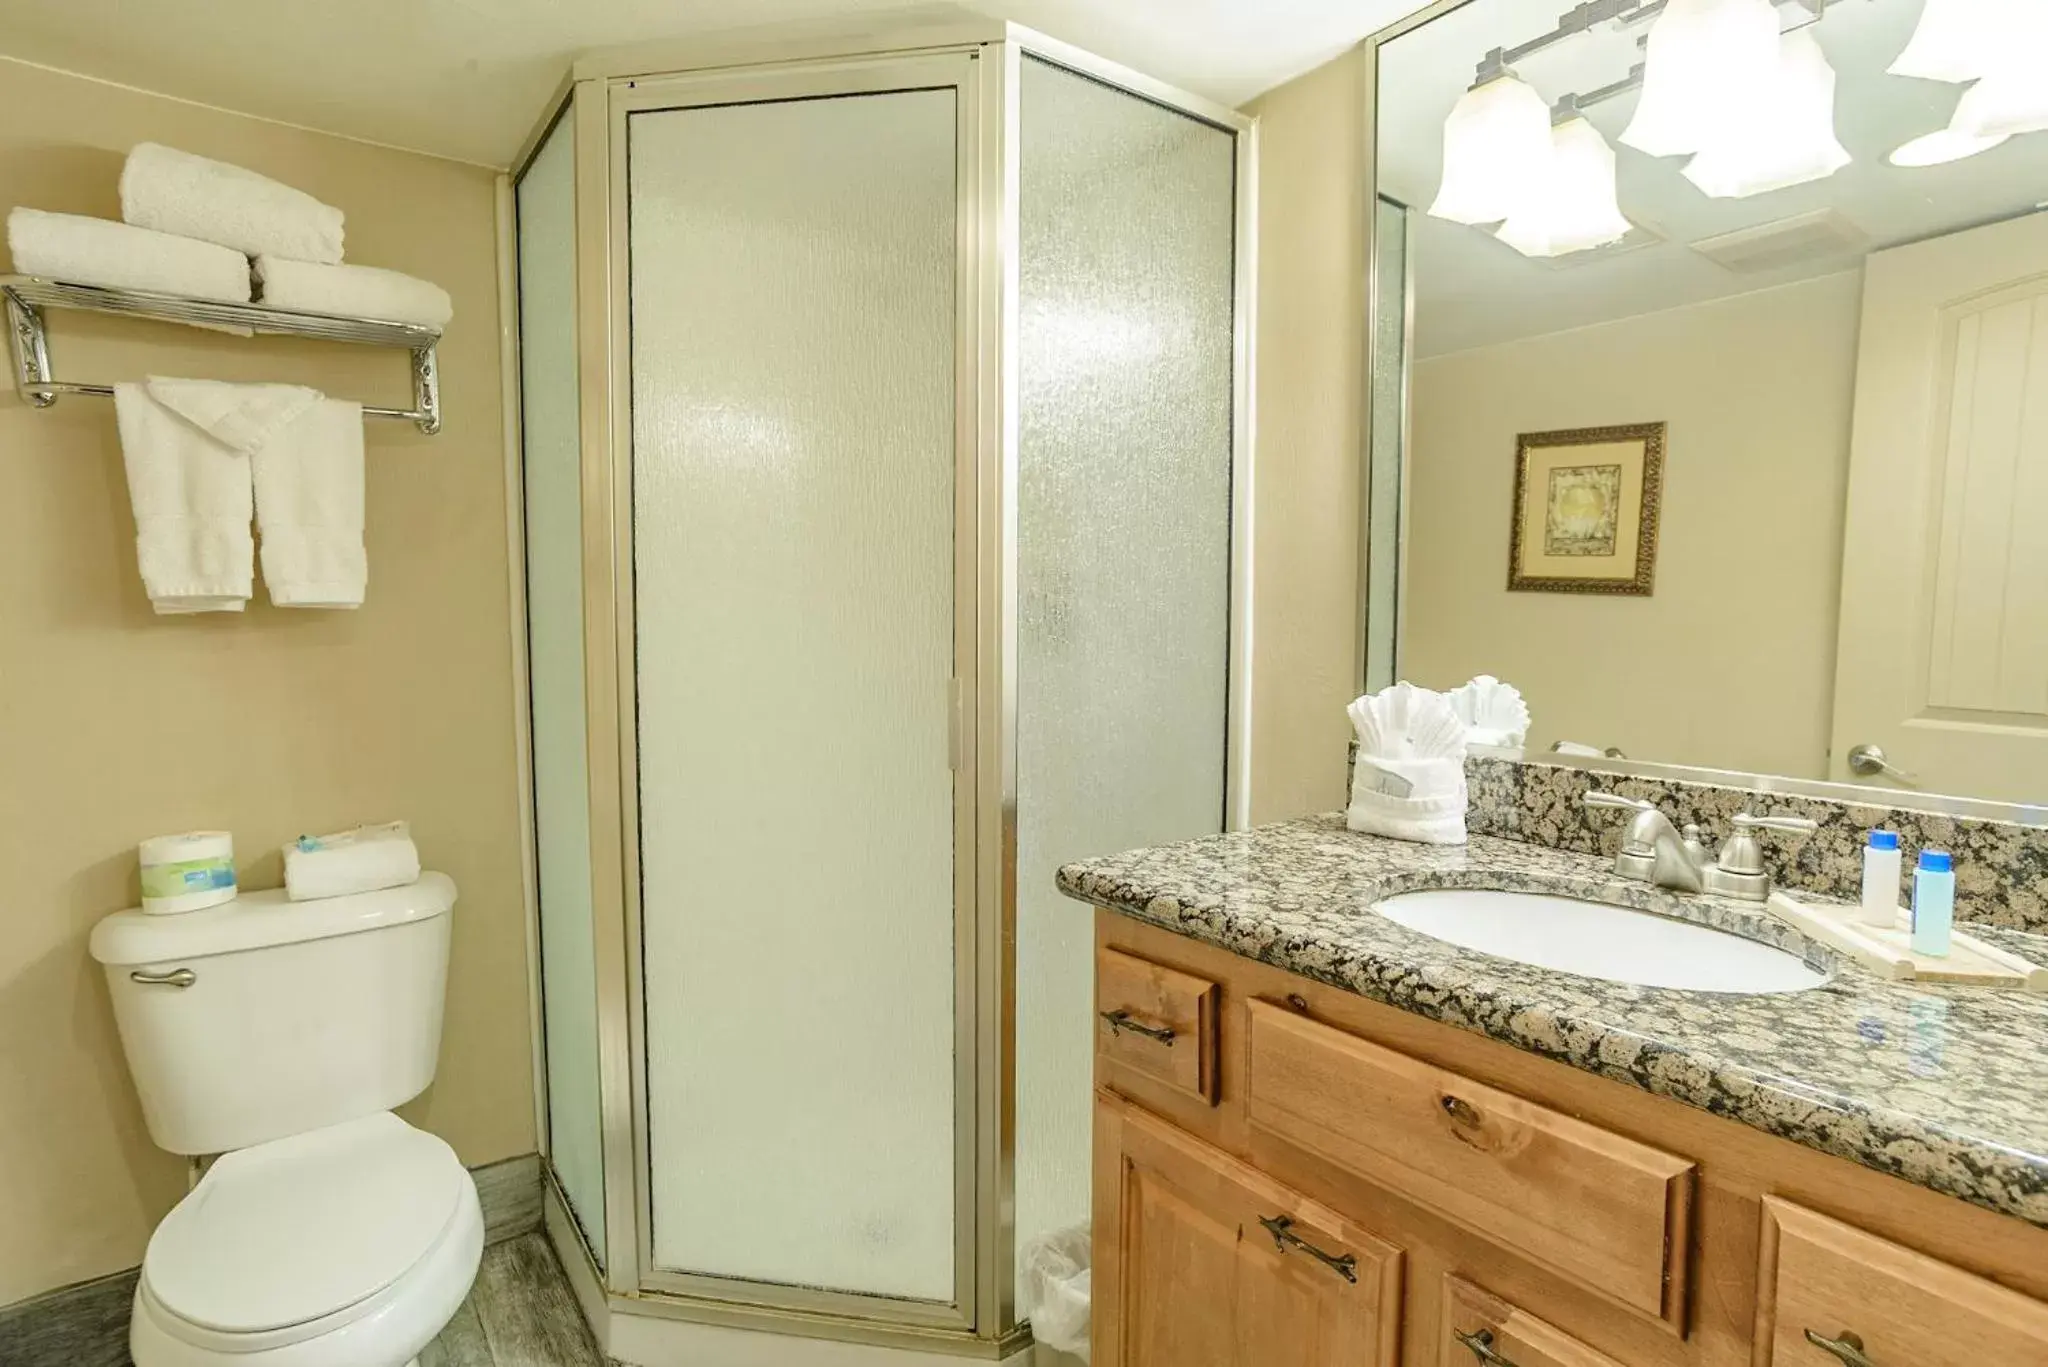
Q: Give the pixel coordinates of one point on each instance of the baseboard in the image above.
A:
(87, 1325)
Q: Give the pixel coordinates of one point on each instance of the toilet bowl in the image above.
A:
(348, 1246)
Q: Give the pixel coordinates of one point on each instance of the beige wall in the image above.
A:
(1731, 661)
(1311, 356)
(116, 724)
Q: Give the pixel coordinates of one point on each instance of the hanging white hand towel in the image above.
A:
(309, 508)
(1408, 781)
(177, 192)
(186, 446)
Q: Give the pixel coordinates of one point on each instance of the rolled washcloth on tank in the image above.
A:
(362, 860)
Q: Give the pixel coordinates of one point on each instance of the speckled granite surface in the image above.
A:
(2001, 867)
(1944, 1087)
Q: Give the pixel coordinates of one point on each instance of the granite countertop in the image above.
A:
(1946, 1087)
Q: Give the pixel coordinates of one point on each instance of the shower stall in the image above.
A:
(884, 464)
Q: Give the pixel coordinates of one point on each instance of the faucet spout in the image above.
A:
(1652, 849)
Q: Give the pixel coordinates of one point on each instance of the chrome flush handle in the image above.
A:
(177, 977)
(1482, 1348)
(1848, 1347)
(1120, 1021)
(1281, 1227)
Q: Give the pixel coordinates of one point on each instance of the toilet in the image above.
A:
(279, 1035)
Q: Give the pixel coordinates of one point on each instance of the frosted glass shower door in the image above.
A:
(554, 623)
(1126, 256)
(794, 278)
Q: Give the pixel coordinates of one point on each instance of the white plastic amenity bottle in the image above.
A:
(1881, 880)
(1934, 904)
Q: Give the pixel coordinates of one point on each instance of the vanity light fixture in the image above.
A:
(1998, 44)
(1574, 206)
(1957, 40)
(1783, 135)
(1944, 145)
(1496, 145)
(2012, 99)
(1703, 56)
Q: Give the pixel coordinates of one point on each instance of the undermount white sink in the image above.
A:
(1595, 940)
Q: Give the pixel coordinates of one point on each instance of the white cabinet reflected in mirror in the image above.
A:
(1728, 233)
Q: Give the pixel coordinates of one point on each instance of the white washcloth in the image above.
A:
(1408, 780)
(99, 251)
(176, 192)
(1493, 712)
(186, 446)
(353, 292)
(309, 509)
(362, 860)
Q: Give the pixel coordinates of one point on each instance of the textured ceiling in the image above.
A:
(467, 78)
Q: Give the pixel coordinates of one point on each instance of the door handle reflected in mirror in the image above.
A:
(1868, 761)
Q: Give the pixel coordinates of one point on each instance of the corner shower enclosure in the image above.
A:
(885, 471)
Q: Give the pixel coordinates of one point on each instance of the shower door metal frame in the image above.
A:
(984, 60)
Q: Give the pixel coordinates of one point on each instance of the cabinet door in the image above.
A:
(1201, 1261)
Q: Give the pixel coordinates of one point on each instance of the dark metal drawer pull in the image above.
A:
(1848, 1347)
(1281, 1227)
(1482, 1348)
(1120, 1021)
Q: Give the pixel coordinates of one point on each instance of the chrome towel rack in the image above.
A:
(28, 296)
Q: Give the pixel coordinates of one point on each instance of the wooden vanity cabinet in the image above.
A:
(1498, 1209)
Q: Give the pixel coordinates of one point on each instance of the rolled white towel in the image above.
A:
(362, 860)
(177, 192)
(99, 251)
(352, 292)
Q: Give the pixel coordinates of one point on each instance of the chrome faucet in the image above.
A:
(1655, 851)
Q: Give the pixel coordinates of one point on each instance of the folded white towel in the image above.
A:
(177, 192)
(1493, 712)
(1408, 781)
(186, 446)
(99, 251)
(309, 509)
(362, 860)
(352, 292)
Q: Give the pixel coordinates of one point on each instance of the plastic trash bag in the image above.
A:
(1056, 1275)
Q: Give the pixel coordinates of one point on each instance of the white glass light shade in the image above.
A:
(1957, 40)
(1574, 207)
(1780, 134)
(1496, 142)
(2012, 99)
(1938, 148)
(1703, 56)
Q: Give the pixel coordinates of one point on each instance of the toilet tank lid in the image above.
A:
(260, 920)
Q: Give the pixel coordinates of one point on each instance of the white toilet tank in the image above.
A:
(264, 1017)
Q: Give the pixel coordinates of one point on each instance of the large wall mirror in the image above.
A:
(1710, 379)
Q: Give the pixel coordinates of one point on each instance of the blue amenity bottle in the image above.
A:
(1934, 904)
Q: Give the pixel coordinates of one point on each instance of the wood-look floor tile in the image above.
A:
(462, 1343)
(529, 1316)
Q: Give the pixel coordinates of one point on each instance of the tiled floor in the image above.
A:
(521, 1313)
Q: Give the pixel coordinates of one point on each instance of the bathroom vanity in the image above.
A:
(1323, 1138)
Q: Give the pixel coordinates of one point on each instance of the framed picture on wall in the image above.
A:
(1586, 505)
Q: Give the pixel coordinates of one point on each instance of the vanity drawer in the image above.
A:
(1479, 1329)
(1610, 1214)
(1870, 1296)
(1156, 1021)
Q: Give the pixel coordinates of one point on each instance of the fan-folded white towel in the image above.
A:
(1493, 712)
(1408, 780)
(177, 192)
(352, 292)
(362, 860)
(186, 446)
(99, 251)
(309, 509)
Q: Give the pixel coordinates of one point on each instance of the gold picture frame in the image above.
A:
(1587, 503)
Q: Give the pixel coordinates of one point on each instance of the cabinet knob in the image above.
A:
(1481, 1344)
(1847, 1346)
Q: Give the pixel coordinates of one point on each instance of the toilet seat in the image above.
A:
(352, 1244)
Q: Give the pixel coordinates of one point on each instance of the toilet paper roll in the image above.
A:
(187, 872)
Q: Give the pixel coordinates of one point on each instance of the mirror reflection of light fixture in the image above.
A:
(1781, 134)
(1496, 143)
(1956, 40)
(1573, 207)
(1703, 57)
(1944, 146)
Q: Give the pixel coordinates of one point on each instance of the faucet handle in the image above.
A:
(1797, 824)
(1628, 804)
(1739, 868)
